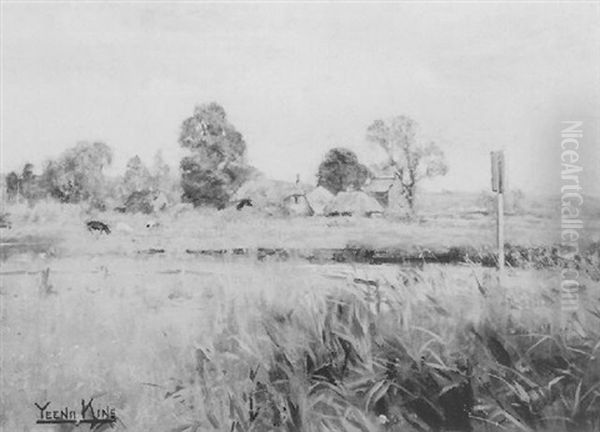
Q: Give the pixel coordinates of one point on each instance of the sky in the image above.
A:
(297, 79)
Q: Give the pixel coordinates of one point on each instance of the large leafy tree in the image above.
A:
(406, 156)
(78, 175)
(341, 170)
(216, 166)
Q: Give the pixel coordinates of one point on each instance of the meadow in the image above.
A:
(178, 342)
(443, 221)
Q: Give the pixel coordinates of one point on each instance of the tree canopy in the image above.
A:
(211, 138)
(26, 185)
(341, 170)
(78, 175)
(217, 165)
(137, 176)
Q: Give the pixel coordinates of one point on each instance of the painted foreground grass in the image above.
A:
(258, 347)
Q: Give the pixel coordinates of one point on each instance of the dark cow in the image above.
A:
(101, 227)
(243, 203)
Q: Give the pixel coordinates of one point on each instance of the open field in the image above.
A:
(442, 223)
(172, 342)
(181, 342)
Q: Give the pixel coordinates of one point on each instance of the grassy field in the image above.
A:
(440, 225)
(314, 348)
(178, 343)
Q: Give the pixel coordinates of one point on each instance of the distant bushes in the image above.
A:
(77, 177)
(139, 202)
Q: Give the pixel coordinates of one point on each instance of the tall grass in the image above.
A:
(260, 347)
(380, 355)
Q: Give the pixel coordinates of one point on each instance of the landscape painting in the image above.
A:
(300, 216)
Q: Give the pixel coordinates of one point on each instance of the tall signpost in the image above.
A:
(498, 186)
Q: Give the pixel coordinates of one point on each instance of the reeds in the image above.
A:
(382, 355)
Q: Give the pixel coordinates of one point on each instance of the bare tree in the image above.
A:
(410, 160)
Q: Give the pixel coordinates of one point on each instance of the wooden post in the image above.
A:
(498, 186)
(500, 230)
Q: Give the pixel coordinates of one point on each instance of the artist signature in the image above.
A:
(87, 414)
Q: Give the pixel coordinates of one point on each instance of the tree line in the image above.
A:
(216, 165)
(77, 176)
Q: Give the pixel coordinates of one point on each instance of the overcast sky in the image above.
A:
(298, 79)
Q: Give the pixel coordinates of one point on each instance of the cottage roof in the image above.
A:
(265, 191)
(355, 203)
(319, 198)
(379, 184)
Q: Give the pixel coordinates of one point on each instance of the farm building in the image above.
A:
(379, 188)
(387, 190)
(269, 195)
(318, 199)
(354, 203)
(297, 205)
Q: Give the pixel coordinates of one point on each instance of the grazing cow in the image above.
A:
(243, 203)
(101, 227)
